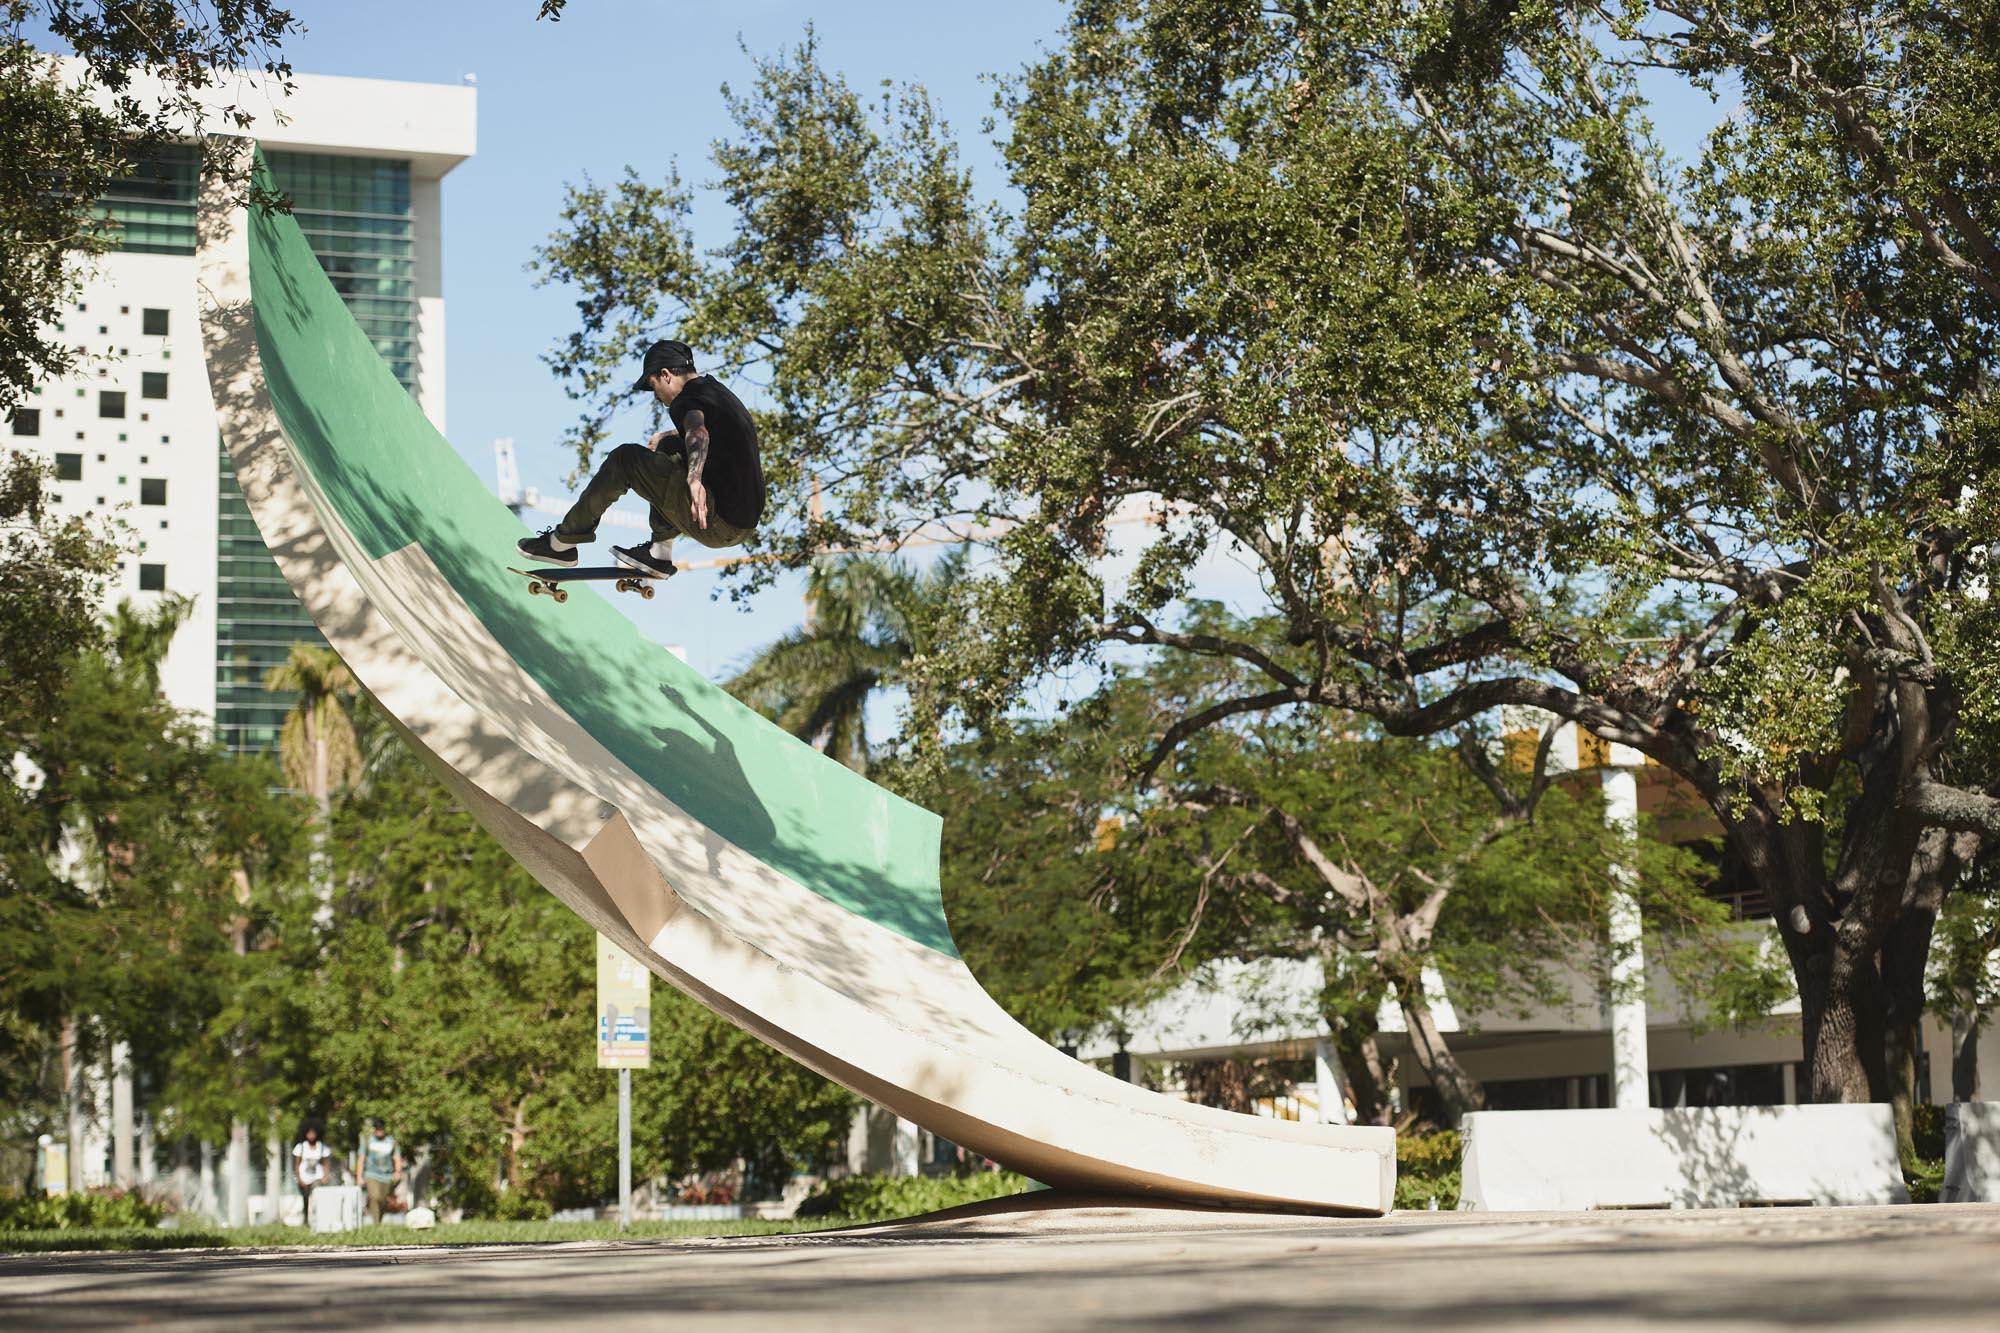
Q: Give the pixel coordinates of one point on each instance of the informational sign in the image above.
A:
(55, 1165)
(624, 1009)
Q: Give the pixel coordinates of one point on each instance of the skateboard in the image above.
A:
(550, 580)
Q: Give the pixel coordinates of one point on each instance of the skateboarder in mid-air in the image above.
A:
(702, 478)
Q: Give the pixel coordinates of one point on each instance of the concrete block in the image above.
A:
(336, 1208)
(1706, 1157)
(1971, 1153)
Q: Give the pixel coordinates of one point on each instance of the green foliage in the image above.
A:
(1923, 1164)
(456, 998)
(1061, 935)
(870, 617)
(64, 140)
(883, 1198)
(76, 1212)
(1403, 305)
(134, 856)
(1427, 1169)
(52, 574)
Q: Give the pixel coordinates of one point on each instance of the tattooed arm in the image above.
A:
(694, 435)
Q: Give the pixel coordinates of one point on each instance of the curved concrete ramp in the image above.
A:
(770, 883)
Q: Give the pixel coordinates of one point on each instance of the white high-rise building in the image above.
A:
(133, 431)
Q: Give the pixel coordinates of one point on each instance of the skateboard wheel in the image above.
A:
(534, 589)
(646, 592)
(559, 594)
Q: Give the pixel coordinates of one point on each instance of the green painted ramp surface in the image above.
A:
(392, 480)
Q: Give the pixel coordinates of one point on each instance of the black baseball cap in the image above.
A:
(666, 354)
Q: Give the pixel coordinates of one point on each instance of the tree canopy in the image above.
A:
(1403, 302)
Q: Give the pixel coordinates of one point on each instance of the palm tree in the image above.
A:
(317, 745)
(141, 636)
(868, 620)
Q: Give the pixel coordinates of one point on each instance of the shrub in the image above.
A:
(78, 1212)
(879, 1198)
(1924, 1173)
(518, 1206)
(1427, 1168)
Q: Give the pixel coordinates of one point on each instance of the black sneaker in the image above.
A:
(642, 559)
(542, 549)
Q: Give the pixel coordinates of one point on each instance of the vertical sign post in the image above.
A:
(624, 1043)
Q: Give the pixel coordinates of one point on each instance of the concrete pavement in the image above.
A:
(1064, 1264)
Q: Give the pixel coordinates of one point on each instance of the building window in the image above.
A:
(152, 578)
(153, 384)
(153, 322)
(152, 490)
(69, 467)
(27, 421)
(153, 206)
(111, 403)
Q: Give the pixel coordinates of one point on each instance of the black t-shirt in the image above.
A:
(733, 474)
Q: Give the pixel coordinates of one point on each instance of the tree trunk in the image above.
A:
(1456, 1089)
(1834, 933)
(517, 1138)
(1965, 1028)
(1844, 1028)
(1352, 1015)
(1905, 951)
(72, 1079)
(1360, 1055)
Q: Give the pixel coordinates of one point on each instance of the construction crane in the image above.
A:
(522, 500)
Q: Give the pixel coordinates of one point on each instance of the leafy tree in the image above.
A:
(52, 574)
(128, 854)
(318, 744)
(1402, 303)
(1052, 926)
(454, 997)
(147, 70)
(869, 617)
(1075, 896)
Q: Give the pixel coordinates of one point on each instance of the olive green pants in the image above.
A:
(662, 481)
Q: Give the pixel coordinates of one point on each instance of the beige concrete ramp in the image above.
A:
(768, 882)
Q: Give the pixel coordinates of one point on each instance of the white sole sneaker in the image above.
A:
(639, 566)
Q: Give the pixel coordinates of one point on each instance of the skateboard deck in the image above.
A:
(550, 580)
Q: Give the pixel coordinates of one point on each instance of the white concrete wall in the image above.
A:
(1715, 1157)
(1971, 1153)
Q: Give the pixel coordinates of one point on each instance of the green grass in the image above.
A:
(458, 1233)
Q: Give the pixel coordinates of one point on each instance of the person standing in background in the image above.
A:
(309, 1165)
(381, 1168)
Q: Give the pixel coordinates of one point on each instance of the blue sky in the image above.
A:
(617, 83)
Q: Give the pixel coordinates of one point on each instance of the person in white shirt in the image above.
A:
(309, 1164)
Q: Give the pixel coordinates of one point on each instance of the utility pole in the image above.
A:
(624, 1149)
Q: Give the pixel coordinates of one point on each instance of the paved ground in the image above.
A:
(1077, 1265)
